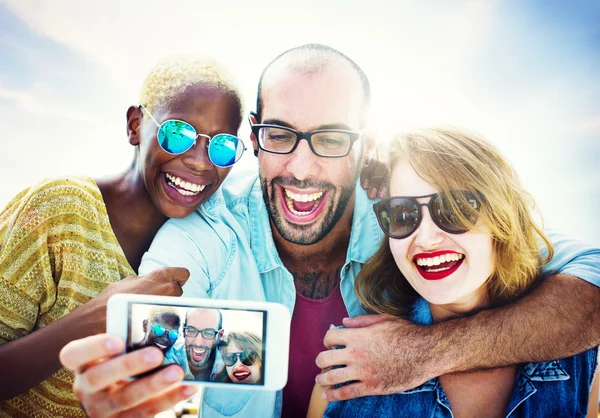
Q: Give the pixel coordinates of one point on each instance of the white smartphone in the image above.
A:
(218, 343)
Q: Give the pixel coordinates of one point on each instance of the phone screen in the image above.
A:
(210, 344)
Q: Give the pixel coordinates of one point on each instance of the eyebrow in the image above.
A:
(278, 122)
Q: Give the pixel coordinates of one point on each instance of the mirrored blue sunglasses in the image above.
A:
(159, 330)
(176, 137)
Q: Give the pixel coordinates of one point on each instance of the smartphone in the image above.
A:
(218, 343)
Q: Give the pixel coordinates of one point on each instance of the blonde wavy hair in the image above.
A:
(172, 76)
(450, 160)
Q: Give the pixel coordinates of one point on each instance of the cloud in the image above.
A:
(527, 83)
(35, 101)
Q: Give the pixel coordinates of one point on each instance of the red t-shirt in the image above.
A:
(310, 321)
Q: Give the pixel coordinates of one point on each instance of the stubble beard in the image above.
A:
(207, 365)
(312, 233)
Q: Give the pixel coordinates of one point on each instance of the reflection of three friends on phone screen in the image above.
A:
(204, 353)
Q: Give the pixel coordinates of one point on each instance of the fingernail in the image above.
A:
(152, 356)
(112, 346)
(189, 391)
(365, 184)
(172, 375)
(324, 395)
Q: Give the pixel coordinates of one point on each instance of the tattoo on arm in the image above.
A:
(317, 284)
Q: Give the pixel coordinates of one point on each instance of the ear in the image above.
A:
(253, 121)
(134, 120)
(221, 332)
(145, 325)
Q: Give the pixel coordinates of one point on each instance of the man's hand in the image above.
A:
(374, 175)
(382, 355)
(100, 375)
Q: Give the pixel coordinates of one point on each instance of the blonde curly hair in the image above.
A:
(173, 76)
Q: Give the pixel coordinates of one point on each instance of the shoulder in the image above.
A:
(52, 204)
(238, 188)
(53, 197)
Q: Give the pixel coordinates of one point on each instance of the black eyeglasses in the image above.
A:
(329, 143)
(400, 216)
(207, 333)
(246, 358)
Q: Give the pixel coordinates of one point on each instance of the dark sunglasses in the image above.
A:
(176, 137)
(248, 359)
(159, 330)
(400, 216)
(207, 333)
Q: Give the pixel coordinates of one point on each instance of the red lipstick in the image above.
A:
(440, 271)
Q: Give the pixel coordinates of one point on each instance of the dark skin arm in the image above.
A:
(557, 319)
(31, 359)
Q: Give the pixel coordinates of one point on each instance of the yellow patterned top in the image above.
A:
(57, 251)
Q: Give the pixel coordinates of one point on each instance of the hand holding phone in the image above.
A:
(239, 344)
(102, 381)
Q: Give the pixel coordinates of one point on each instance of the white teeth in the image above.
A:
(290, 206)
(303, 197)
(306, 197)
(185, 188)
(437, 260)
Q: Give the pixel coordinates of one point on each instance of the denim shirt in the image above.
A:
(558, 388)
(227, 245)
(178, 355)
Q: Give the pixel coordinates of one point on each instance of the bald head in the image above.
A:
(212, 318)
(309, 60)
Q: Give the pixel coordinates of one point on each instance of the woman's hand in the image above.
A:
(166, 281)
(101, 378)
(20, 374)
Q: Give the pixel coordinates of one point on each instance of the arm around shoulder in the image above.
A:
(573, 258)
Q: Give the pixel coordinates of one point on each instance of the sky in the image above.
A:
(522, 73)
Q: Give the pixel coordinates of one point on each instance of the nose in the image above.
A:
(199, 340)
(303, 163)
(428, 235)
(196, 158)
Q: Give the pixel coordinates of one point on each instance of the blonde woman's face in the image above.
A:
(448, 270)
(240, 372)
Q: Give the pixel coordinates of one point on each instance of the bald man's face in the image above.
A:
(306, 195)
(200, 348)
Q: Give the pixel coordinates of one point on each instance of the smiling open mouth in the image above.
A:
(241, 375)
(438, 267)
(159, 345)
(198, 354)
(185, 188)
(303, 204)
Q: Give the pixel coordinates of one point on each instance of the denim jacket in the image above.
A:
(558, 388)
(227, 245)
